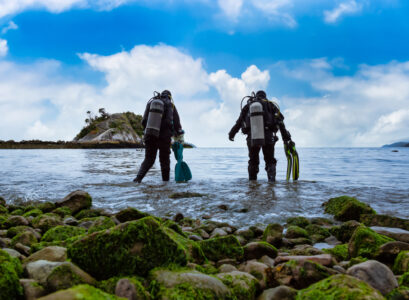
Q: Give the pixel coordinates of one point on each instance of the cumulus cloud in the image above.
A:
(3, 48)
(345, 8)
(10, 26)
(275, 10)
(231, 8)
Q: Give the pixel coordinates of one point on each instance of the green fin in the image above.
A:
(289, 161)
(296, 163)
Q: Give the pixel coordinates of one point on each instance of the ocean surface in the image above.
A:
(376, 176)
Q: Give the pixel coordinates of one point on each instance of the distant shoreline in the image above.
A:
(36, 144)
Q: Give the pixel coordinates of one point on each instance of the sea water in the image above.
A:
(376, 176)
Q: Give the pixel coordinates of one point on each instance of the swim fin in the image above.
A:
(182, 170)
(293, 161)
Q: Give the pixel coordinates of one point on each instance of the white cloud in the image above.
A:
(10, 26)
(275, 10)
(3, 48)
(345, 8)
(231, 8)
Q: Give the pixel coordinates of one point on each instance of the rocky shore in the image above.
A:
(70, 250)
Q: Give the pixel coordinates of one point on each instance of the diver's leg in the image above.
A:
(254, 160)
(271, 162)
(151, 149)
(164, 157)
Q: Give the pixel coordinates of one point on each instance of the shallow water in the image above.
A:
(376, 176)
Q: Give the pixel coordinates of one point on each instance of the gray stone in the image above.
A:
(395, 233)
(226, 268)
(229, 261)
(40, 269)
(339, 269)
(322, 259)
(256, 250)
(242, 282)
(258, 270)
(246, 233)
(3, 233)
(67, 275)
(13, 221)
(22, 249)
(375, 274)
(281, 292)
(218, 232)
(71, 221)
(195, 237)
(267, 261)
(203, 234)
(332, 240)
(76, 201)
(389, 251)
(32, 290)
(51, 253)
(14, 253)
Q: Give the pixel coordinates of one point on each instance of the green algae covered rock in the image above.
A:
(132, 248)
(344, 231)
(294, 232)
(401, 293)
(365, 242)
(339, 287)
(33, 213)
(340, 252)
(273, 234)
(109, 285)
(46, 221)
(3, 210)
(66, 276)
(316, 229)
(61, 233)
(81, 292)
(222, 247)
(384, 221)
(186, 284)
(46, 207)
(10, 270)
(401, 264)
(62, 211)
(26, 238)
(404, 280)
(130, 214)
(100, 223)
(298, 221)
(242, 285)
(76, 201)
(346, 208)
(88, 213)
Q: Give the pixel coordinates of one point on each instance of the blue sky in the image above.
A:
(338, 69)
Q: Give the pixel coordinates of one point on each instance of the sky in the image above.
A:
(339, 69)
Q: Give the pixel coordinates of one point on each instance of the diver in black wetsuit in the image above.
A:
(160, 122)
(260, 119)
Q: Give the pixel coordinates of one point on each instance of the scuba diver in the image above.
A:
(160, 122)
(260, 119)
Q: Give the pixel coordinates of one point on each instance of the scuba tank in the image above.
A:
(156, 110)
(257, 123)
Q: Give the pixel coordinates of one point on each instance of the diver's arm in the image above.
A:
(237, 126)
(176, 122)
(145, 115)
(285, 134)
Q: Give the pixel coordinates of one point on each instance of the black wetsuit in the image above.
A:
(170, 126)
(273, 121)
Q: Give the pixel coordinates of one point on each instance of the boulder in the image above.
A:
(130, 214)
(26, 238)
(226, 268)
(375, 274)
(344, 231)
(14, 253)
(10, 270)
(260, 271)
(401, 264)
(40, 269)
(62, 211)
(100, 223)
(340, 287)
(13, 221)
(33, 213)
(51, 253)
(322, 259)
(13, 231)
(305, 250)
(46, 207)
(222, 247)
(346, 208)
(384, 221)
(218, 232)
(339, 252)
(365, 242)
(166, 284)
(394, 233)
(246, 233)
(82, 291)
(89, 213)
(273, 234)
(133, 247)
(242, 285)
(281, 292)
(32, 289)
(61, 233)
(298, 221)
(67, 275)
(294, 232)
(46, 221)
(300, 274)
(256, 250)
(317, 232)
(388, 252)
(76, 201)
(131, 289)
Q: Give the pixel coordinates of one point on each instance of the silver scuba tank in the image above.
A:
(257, 124)
(156, 110)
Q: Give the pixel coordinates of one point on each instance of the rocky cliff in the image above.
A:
(119, 127)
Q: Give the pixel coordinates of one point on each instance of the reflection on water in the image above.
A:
(376, 176)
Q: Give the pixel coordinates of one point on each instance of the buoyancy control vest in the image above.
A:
(256, 114)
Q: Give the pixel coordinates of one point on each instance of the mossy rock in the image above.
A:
(340, 252)
(186, 284)
(174, 226)
(356, 260)
(110, 284)
(365, 242)
(242, 285)
(273, 234)
(2, 201)
(46, 207)
(404, 280)
(339, 287)
(401, 293)
(88, 213)
(76, 201)
(13, 231)
(101, 223)
(10, 270)
(62, 211)
(61, 233)
(347, 208)
(401, 264)
(384, 221)
(3, 210)
(26, 238)
(314, 229)
(33, 213)
(344, 231)
(46, 221)
(130, 214)
(181, 195)
(222, 247)
(132, 248)
(64, 243)
(17, 212)
(321, 221)
(294, 232)
(298, 221)
(66, 276)
(82, 291)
